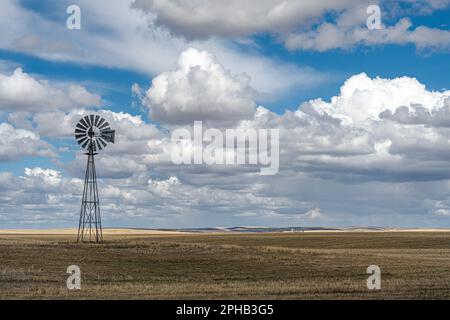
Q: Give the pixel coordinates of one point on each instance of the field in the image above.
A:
(308, 265)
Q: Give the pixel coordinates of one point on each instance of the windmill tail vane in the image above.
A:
(93, 134)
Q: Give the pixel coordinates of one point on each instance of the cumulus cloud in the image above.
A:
(344, 148)
(418, 114)
(329, 36)
(353, 138)
(200, 89)
(364, 98)
(376, 153)
(80, 95)
(21, 92)
(47, 176)
(39, 197)
(56, 124)
(17, 143)
(346, 144)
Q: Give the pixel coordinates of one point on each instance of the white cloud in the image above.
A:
(418, 114)
(200, 89)
(349, 137)
(363, 98)
(41, 197)
(83, 97)
(441, 208)
(17, 143)
(162, 188)
(374, 154)
(21, 92)
(313, 213)
(48, 176)
(56, 124)
(345, 148)
(329, 36)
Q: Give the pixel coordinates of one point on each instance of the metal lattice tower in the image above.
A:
(90, 225)
(92, 133)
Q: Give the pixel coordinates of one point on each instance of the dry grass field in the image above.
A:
(414, 265)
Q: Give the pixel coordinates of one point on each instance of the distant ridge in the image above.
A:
(212, 230)
(259, 229)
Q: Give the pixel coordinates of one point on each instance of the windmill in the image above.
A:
(92, 133)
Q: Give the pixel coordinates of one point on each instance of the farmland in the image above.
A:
(309, 265)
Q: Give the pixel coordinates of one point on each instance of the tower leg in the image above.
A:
(90, 226)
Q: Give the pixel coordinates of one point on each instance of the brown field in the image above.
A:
(325, 265)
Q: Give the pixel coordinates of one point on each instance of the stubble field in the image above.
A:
(309, 265)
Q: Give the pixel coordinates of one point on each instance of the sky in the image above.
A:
(361, 102)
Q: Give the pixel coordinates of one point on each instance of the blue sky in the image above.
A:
(285, 64)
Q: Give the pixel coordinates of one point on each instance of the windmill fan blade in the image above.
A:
(99, 147)
(83, 123)
(96, 121)
(80, 126)
(92, 119)
(103, 142)
(81, 141)
(79, 136)
(104, 126)
(80, 131)
(100, 122)
(84, 145)
(88, 121)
